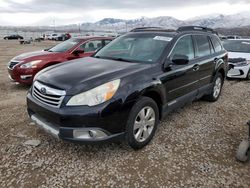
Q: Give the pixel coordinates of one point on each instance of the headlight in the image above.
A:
(32, 64)
(95, 96)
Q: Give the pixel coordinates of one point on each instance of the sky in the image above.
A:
(63, 12)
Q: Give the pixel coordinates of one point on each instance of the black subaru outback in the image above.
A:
(123, 91)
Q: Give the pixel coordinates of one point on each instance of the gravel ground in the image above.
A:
(193, 147)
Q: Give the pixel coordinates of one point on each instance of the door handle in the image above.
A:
(196, 67)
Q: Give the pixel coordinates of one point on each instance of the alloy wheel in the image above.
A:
(144, 124)
(217, 87)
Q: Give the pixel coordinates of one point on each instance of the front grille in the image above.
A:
(47, 95)
(12, 64)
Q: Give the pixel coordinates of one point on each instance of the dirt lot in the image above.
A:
(193, 147)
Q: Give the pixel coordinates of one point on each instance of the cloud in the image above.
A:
(38, 6)
(37, 12)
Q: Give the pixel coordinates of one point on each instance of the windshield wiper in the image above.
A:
(121, 59)
(113, 58)
(47, 50)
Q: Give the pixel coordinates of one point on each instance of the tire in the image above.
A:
(243, 151)
(142, 123)
(217, 87)
(248, 75)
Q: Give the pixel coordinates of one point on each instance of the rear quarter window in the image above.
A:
(216, 44)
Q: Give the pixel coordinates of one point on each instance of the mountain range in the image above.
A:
(226, 22)
(212, 21)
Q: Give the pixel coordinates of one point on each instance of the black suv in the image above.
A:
(123, 91)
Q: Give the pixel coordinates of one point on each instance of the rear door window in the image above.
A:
(202, 45)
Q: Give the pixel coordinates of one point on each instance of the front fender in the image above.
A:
(220, 65)
(135, 91)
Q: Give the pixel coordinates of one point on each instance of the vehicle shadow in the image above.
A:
(20, 87)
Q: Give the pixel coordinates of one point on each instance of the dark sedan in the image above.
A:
(13, 37)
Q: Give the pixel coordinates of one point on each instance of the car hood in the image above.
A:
(32, 55)
(83, 74)
(233, 55)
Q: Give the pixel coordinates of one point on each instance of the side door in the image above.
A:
(205, 59)
(181, 80)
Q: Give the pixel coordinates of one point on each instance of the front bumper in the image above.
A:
(23, 76)
(238, 71)
(86, 135)
(80, 124)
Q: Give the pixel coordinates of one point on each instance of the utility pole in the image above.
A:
(54, 23)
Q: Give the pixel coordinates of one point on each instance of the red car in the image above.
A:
(24, 67)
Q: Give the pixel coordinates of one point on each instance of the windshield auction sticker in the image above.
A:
(162, 38)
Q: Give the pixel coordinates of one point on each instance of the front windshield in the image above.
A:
(64, 46)
(136, 48)
(242, 46)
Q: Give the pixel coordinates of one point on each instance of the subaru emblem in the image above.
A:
(43, 90)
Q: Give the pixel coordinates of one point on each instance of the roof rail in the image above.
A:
(150, 29)
(196, 28)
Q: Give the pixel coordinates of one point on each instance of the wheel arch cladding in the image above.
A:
(222, 71)
(156, 97)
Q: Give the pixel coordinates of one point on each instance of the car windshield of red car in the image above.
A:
(64, 46)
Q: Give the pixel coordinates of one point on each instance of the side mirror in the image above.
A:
(180, 59)
(77, 52)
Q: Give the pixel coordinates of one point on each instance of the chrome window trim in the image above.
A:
(190, 34)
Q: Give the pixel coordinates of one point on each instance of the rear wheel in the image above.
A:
(142, 123)
(217, 87)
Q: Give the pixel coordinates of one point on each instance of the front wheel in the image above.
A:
(243, 151)
(217, 87)
(142, 123)
(248, 75)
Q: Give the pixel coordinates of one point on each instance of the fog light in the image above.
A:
(89, 134)
(81, 134)
(25, 77)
